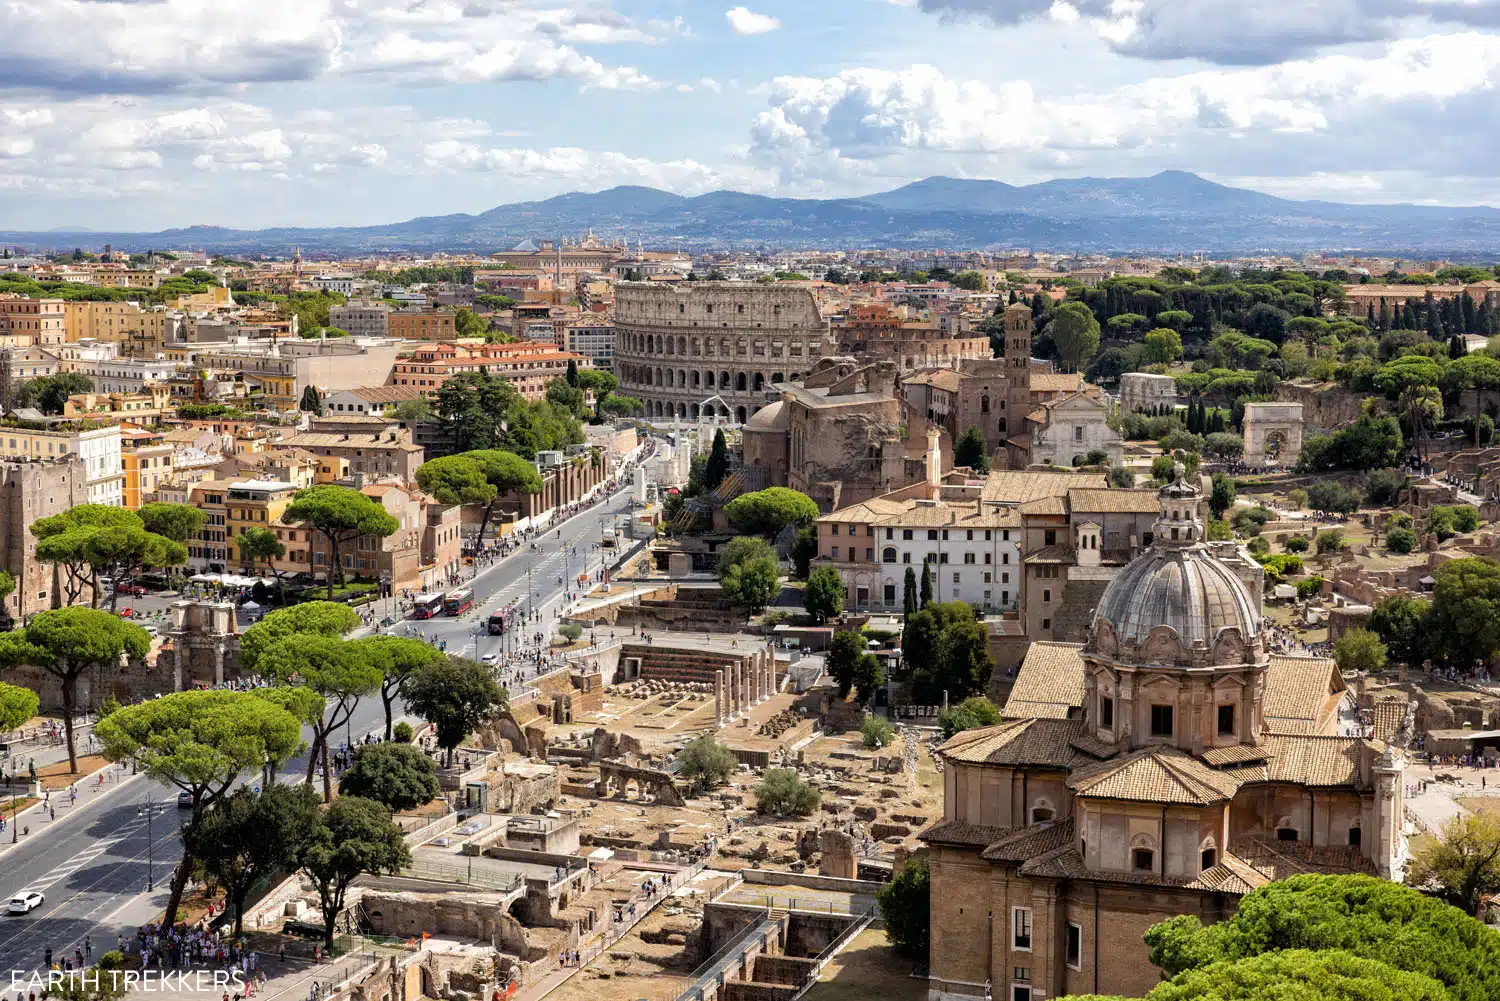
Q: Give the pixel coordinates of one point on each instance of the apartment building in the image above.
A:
(594, 339)
(98, 450)
(369, 400)
(362, 318)
(422, 325)
(210, 551)
(31, 489)
(119, 375)
(146, 459)
(375, 448)
(284, 370)
(149, 406)
(21, 365)
(27, 322)
(529, 366)
(255, 504)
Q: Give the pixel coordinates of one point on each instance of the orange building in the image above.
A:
(422, 325)
(529, 366)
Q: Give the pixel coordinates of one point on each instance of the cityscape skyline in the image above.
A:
(364, 112)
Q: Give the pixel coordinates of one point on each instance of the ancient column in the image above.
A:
(718, 698)
(754, 684)
(218, 661)
(179, 661)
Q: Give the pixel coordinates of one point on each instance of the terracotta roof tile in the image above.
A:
(1280, 859)
(1049, 683)
(1154, 775)
(958, 832)
(1042, 742)
(1028, 842)
(1115, 501)
(1017, 486)
(1298, 693)
(1314, 761)
(1055, 382)
(1237, 754)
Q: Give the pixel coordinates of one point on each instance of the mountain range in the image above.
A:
(1169, 212)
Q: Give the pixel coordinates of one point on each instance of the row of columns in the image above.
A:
(742, 685)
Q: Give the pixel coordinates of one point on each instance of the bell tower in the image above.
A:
(1018, 365)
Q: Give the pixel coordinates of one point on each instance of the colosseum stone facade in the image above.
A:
(679, 346)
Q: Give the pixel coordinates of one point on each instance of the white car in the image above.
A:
(25, 903)
(489, 658)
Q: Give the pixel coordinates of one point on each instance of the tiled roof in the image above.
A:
(1049, 684)
(1229, 876)
(1056, 504)
(1298, 694)
(1094, 747)
(959, 832)
(1389, 716)
(1055, 382)
(1155, 775)
(1115, 501)
(1280, 859)
(1314, 761)
(1029, 842)
(1042, 742)
(1016, 486)
(1235, 754)
(385, 394)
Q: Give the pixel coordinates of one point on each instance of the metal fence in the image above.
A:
(463, 875)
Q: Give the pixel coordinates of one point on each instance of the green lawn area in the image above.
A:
(868, 969)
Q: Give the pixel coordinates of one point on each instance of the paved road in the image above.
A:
(91, 863)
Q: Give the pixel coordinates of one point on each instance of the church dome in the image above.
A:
(1188, 590)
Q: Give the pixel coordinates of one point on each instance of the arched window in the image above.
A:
(1041, 811)
(1285, 831)
(739, 382)
(984, 403)
(888, 555)
(1143, 853)
(760, 381)
(1208, 858)
(1354, 837)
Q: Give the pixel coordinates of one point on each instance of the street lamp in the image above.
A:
(148, 809)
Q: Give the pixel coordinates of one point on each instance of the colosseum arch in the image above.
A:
(739, 414)
(681, 379)
(682, 345)
(650, 344)
(696, 376)
(739, 385)
(760, 381)
(723, 380)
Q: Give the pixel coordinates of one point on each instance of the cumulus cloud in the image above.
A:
(744, 21)
(866, 114)
(1233, 32)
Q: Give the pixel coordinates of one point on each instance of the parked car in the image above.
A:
(25, 902)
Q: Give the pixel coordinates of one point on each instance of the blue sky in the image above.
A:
(144, 114)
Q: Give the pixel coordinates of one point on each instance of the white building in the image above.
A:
(361, 318)
(1066, 431)
(122, 375)
(593, 340)
(98, 450)
(973, 550)
(342, 284)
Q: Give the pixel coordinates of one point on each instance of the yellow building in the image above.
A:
(26, 322)
(255, 504)
(103, 321)
(147, 407)
(147, 460)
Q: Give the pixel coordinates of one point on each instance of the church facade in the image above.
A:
(1169, 765)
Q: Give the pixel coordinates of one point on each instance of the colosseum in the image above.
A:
(713, 348)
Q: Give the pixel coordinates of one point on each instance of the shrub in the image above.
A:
(707, 762)
(1250, 520)
(403, 733)
(782, 792)
(570, 631)
(1307, 587)
(876, 731)
(970, 714)
(1297, 497)
(1258, 546)
(1330, 541)
(1401, 540)
(1296, 544)
(906, 905)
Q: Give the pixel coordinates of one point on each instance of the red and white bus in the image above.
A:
(425, 606)
(458, 602)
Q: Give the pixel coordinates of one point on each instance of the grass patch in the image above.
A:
(868, 968)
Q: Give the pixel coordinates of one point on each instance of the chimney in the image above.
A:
(934, 457)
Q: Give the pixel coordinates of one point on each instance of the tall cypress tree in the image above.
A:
(926, 592)
(1408, 317)
(1456, 346)
(909, 593)
(1385, 316)
(718, 462)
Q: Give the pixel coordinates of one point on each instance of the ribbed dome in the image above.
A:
(1187, 589)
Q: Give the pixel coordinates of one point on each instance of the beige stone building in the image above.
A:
(26, 322)
(31, 489)
(690, 348)
(1167, 766)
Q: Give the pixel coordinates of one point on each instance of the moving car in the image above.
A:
(185, 799)
(25, 902)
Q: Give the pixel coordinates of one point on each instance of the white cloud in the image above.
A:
(1235, 33)
(587, 168)
(744, 21)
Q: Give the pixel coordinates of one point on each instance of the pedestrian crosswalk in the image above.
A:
(83, 858)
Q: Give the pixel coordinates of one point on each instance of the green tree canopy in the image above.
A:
(782, 792)
(247, 837)
(804, 549)
(260, 545)
(1359, 650)
(354, 836)
(718, 461)
(970, 450)
(94, 541)
(399, 776)
(970, 714)
(1329, 975)
(1463, 864)
(1075, 332)
(455, 479)
(67, 642)
(341, 515)
(844, 653)
(767, 512)
(398, 658)
(824, 598)
(17, 706)
(707, 762)
(201, 742)
(906, 905)
(507, 472)
(948, 648)
(336, 670)
(748, 572)
(319, 618)
(1466, 609)
(456, 696)
(179, 522)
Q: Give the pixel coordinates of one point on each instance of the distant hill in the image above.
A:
(1168, 212)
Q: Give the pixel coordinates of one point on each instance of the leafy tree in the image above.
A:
(754, 583)
(782, 792)
(1401, 540)
(17, 706)
(1359, 650)
(1164, 469)
(906, 906)
(1463, 864)
(66, 643)
(412, 411)
(1441, 523)
(971, 450)
(1478, 372)
(1364, 915)
(318, 618)
(507, 472)
(1221, 499)
(179, 522)
(50, 393)
(869, 675)
(1123, 478)
(718, 462)
(94, 541)
(1403, 624)
(455, 479)
(876, 732)
(1329, 975)
(1163, 345)
(456, 697)
(824, 597)
(1075, 332)
(247, 837)
(260, 545)
(1224, 445)
(970, 714)
(844, 653)
(707, 762)
(804, 549)
(398, 658)
(201, 742)
(1465, 617)
(1330, 541)
(1332, 497)
(334, 669)
(355, 836)
(341, 515)
(398, 776)
(1465, 517)
(948, 649)
(767, 512)
(311, 402)
(1384, 487)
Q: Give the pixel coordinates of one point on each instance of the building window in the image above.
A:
(1226, 721)
(955, 578)
(1142, 859)
(1106, 711)
(1354, 837)
(969, 559)
(1049, 537)
(869, 556)
(1020, 928)
(1046, 623)
(1286, 834)
(890, 594)
(932, 535)
(1046, 594)
(888, 556)
(906, 535)
(1078, 434)
(1208, 858)
(1073, 945)
(987, 579)
(1161, 721)
(835, 553)
(833, 530)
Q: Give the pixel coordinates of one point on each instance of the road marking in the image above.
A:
(83, 858)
